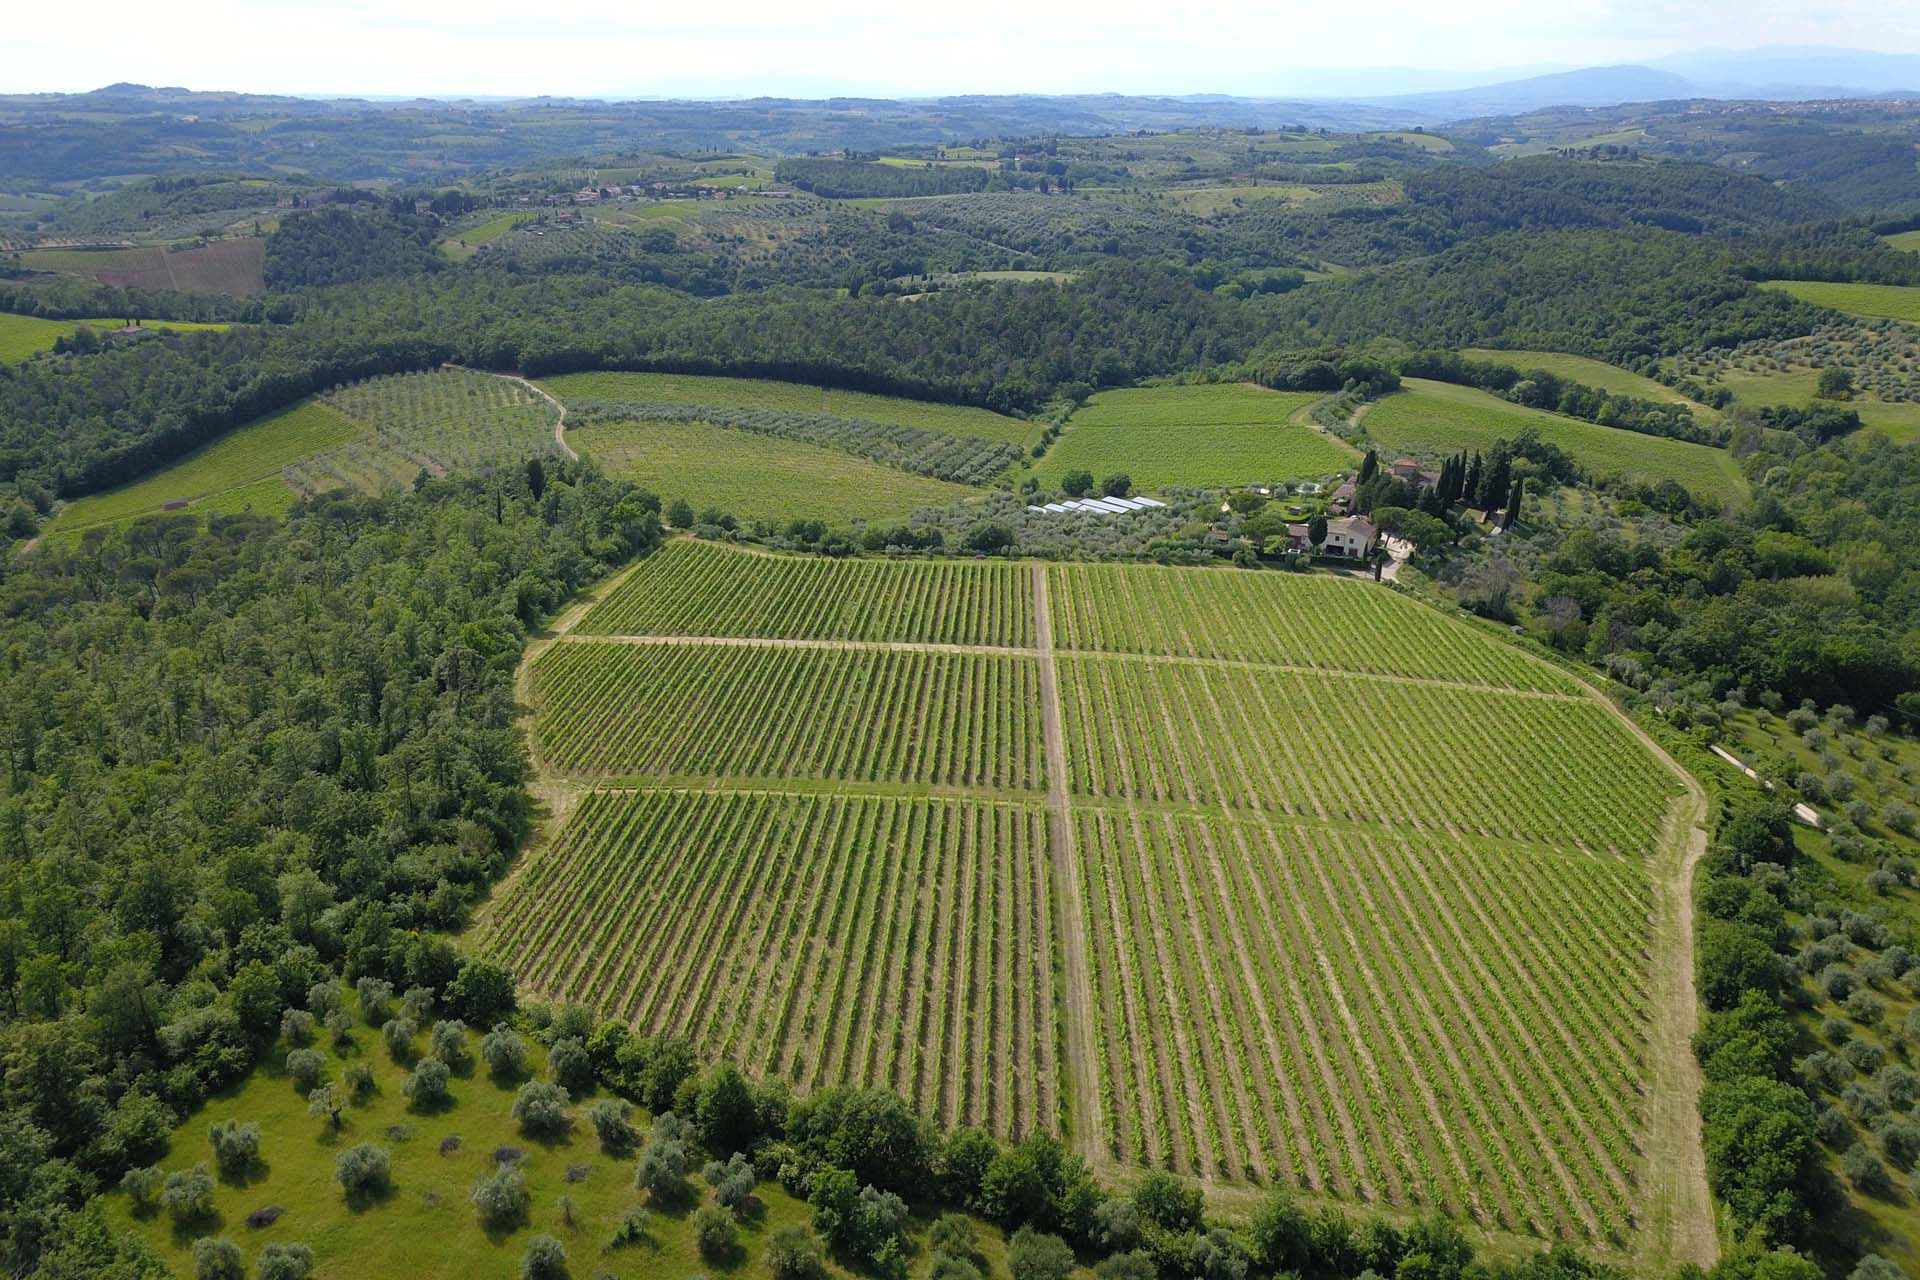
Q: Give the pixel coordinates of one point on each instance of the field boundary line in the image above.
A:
(1077, 1009)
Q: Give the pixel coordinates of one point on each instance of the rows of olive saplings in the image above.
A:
(236, 758)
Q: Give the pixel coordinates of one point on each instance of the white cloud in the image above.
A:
(775, 46)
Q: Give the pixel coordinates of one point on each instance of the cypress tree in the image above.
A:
(1515, 499)
(1369, 466)
(1474, 476)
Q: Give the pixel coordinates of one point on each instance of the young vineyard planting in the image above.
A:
(441, 421)
(615, 710)
(1263, 878)
(698, 589)
(874, 940)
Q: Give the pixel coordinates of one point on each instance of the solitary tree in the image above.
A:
(541, 1108)
(1317, 530)
(325, 1103)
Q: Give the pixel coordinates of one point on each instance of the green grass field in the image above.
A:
(1909, 241)
(756, 477)
(22, 336)
(426, 1228)
(1434, 418)
(1901, 422)
(762, 393)
(1890, 301)
(463, 244)
(1202, 436)
(241, 468)
(1589, 372)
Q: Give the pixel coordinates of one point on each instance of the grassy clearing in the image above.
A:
(1900, 421)
(756, 477)
(1208, 201)
(1890, 301)
(1589, 372)
(1204, 436)
(426, 1227)
(241, 468)
(1907, 241)
(463, 244)
(1433, 418)
(22, 336)
(764, 393)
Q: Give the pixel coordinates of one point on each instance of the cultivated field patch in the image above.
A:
(439, 421)
(22, 336)
(1433, 418)
(1199, 436)
(1886, 301)
(1587, 371)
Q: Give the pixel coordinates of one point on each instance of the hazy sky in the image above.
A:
(648, 47)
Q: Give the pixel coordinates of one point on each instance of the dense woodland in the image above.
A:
(247, 757)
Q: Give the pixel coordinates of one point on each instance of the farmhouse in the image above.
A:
(1342, 500)
(1351, 536)
(1408, 471)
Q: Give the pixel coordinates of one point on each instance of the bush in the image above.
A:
(1136, 1265)
(540, 1107)
(426, 1088)
(142, 1186)
(715, 1233)
(398, 1033)
(502, 1198)
(1116, 1224)
(217, 1258)
(1864, 1171)
(292, 1261)
(633, 1229)
(296, 1027)
(955, 1235)
(612, 1125)
(1035, 1255)
(732, 1182)
(545, 1259)
(364, 1171)
(963, 1163)
(236, 1146)
(304, 1068)
(187, 1194)
(794, 1253)
(505, 1052)
(1217, 1256)
(570, 1066)
(1168, 1202)
(359, 1081)
(448, 1042)
(373, 997)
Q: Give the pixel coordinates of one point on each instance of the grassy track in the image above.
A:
(761, 393)
(1202, 436)
(1589, 372)
(241, 468)
(1891, 301)
(1433, 418)
(756, 477)
(22, 336)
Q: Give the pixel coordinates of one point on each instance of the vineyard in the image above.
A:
(875, 940)
(437, 422)
(616, 710)
(1313, 886)
(694, 588)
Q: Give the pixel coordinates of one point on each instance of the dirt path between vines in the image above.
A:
(559, 423)
(1078, 1008)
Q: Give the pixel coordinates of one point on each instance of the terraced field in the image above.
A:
(1262, 878)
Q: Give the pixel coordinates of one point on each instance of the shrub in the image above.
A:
(339, 1028)
(1035, 1255)
(1168, 1202)
(236, 1146)
(359, 1082)
(947, 1267)
(1864, 1007)
(373, 997)
(449, 1044)
(217, 1258)
(540, 1107)
(187, 1194)
(955, 1235)
(296, 1027)
(1874, 1267)
(304, 1067)
(1864, 1170)
(323, 997)
(398, 1034)
(570, 1066)
(142, 1186)
(794, 1253)
(427, 1086)
(612, 1125)
(1900, 1139)
(292, 1261)
(505, 1052)
(633, 1229)
(545, 1259)
(1217, 1256)
(1116, 1224)
(502, 1198)
(714, 1232)
(1136, 1265)
(364, 1171)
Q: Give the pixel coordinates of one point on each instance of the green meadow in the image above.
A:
(765, 393)
(1887, 301)
(1588, 372)
(22, 336)
(758, 477)
(1201, 436)
(1434, 418)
